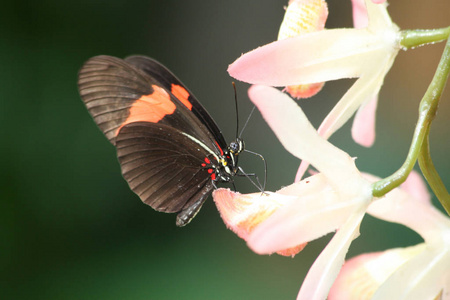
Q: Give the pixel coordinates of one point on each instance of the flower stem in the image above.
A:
(420, 37)
(432, 176)
(427, 112)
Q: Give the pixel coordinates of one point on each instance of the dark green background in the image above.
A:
(69, 226)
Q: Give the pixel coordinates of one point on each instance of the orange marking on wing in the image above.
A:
(150, 108)
(182, 95)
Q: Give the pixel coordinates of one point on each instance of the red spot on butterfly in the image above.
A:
(220, 149)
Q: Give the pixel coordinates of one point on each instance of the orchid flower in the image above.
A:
(367, 53)
(335, 198)
(417, 272)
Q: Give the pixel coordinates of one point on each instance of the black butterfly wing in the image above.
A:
(165, 167)
(125, 101)
(109, 87)
(167, 79)
(116, 93)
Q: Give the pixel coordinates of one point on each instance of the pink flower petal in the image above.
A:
(301, 170)
(325, 269)
(360, 19)
(297, 135)
(321, 56)
(310, 58)
(243, 212)
(363, 129)
(316, 212)
(422, 277)
(353, 281)
(372, 14)
(362, 275)
(364, 89)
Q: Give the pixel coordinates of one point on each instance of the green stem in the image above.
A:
(427, 111)
(432, 176)
(415, 38)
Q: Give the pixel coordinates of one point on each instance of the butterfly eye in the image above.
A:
(236, 146)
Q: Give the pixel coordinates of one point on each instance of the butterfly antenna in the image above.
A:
(237, 109)
(238, 136)
(248, 119)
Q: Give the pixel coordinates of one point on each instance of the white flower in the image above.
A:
(330, 54)
(418, 272)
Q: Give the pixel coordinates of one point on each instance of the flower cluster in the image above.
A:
(338, 195)
(416, 272)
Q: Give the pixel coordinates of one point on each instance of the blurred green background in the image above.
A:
(69, 226)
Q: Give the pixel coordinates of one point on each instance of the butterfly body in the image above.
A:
(170, 150)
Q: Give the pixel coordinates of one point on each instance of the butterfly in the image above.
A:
(170, 150)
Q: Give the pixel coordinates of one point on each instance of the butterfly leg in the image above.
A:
(257, 184)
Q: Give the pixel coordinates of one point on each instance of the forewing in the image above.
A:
(167, 79)
(117, 93)
(109, 86)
